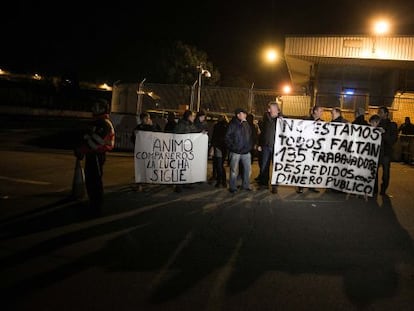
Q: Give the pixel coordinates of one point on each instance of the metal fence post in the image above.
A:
(193, 95)
(140, 93)
(251, 98)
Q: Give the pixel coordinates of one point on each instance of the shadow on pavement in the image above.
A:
(192, 236)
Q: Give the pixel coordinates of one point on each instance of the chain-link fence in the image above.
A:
(128, 99)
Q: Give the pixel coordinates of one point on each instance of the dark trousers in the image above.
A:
(259, 159)
(267, 158)
(220, 169)
(385, 163)
(93, 179)
(405, 149)
(214, 174)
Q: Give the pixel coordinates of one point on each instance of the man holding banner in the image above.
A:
(145, 125)
(171, 158)
(267, 142)
(184, 126)
(315, 115)
(341, 156)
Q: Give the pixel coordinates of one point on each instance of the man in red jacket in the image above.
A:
(98, 139)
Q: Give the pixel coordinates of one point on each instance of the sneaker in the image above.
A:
(232, 190)
(248, 189)
(313, 190)
(274, 189)
(299, 190)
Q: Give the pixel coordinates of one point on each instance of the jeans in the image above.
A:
(267, 158)
(245, 161)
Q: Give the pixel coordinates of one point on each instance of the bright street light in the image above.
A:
(381, 27)
(270, 55)
(205, 73)
(287, 89)
(105, 86)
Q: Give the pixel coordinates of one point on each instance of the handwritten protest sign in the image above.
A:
(164, 158)
(319, 154)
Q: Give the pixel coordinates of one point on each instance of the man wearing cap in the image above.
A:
(239, 143)
(98, 139)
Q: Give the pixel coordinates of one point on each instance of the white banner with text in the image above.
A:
(317, 154)
(164, 158)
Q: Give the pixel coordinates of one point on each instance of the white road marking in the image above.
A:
(54, 232)
(163, 271)
(25, 181)
(218, 291)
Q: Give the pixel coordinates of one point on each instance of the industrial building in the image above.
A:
(354, 71)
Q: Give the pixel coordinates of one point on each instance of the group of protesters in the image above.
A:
(237, 141)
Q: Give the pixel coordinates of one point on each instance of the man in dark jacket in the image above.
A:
(186, 123)
(201, 121)
(336, 113)
(406, 129)
(267, 143)
(360, 117)
(184, 126)
(220, 150)
(389, 137)
(171, 123)
(145, 125)
(239, 143)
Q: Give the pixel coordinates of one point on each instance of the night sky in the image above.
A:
(97, 41)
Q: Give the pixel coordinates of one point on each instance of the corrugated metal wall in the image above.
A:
(216, 99)
(392, 48)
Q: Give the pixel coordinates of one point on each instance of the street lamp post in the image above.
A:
(140, 93)
(201, 72)
(193, 95)
(251, 99)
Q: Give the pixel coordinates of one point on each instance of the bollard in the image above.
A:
(78, 183)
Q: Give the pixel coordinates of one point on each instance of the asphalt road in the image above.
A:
(202, 249)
